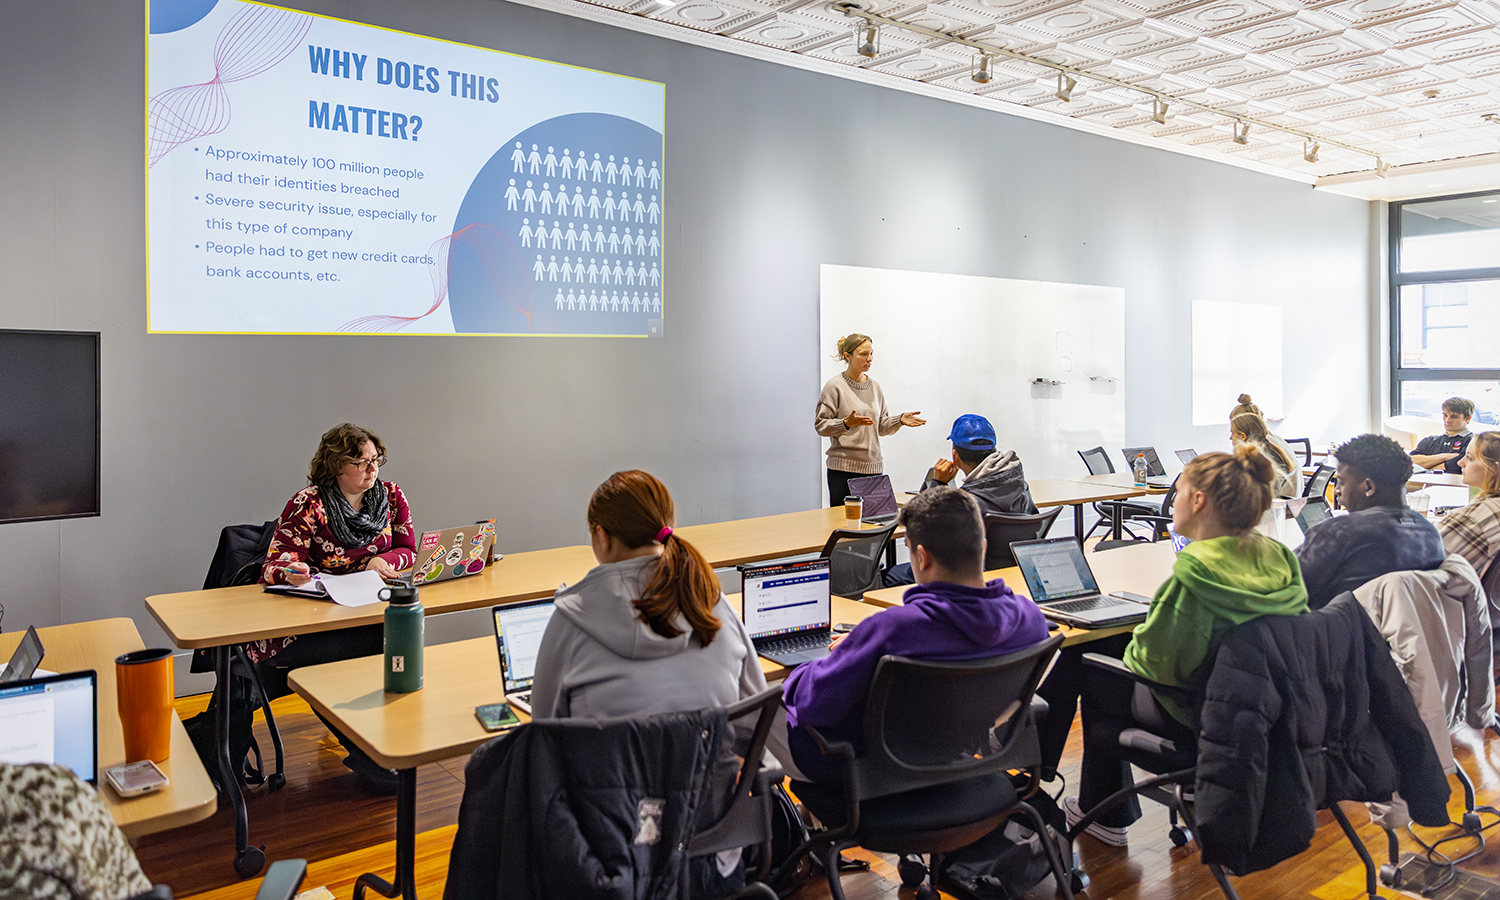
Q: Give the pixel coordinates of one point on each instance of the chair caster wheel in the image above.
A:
(249, 863)
(1470, 822)
(1077, 881)
(1179, 836)
(276, 782)
(925, 892)
(1390, 875)
(912, 871)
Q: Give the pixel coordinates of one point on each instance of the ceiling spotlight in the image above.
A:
(1159, 111)
(1065, 85)
(870, 42)
(1310, 151)
(1382, 168)
(1242, 132)
(982, 74)
(1491, 118)
(667, 4)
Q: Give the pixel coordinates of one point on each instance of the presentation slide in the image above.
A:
(311, 175)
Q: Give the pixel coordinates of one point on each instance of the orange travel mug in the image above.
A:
(143, 685)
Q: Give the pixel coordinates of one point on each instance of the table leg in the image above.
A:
(1118, 519)
(248, 860)
(1078, 522)
(405, 885)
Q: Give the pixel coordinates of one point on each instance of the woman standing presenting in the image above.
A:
(851, 411)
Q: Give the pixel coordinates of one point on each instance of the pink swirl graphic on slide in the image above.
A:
(256, 39)
(495, 252)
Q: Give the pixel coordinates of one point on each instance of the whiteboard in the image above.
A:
(953, 344)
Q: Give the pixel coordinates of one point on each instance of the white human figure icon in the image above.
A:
(655, 176)
(551, 163)
(567, 269)
(640, 242)
(572, 237)
(597, 168)
(585, 238)
(628, 241)
(593, 271)
(640, 208)
(511, 195)
(655, 275)
(552, 270)
(540, 233)
(593, 302)
(570, 300)
(556, 233)
(624, 207)
(619, 273)
(528, 197)
(635, 302)
(594, 204)
(567, 164)
(578, 270)
(630, 275)
(518, 157)
(578, 202)
(656, 303)
(535, 159)
(540, 268)
(614, 240)
(546, 197)
(525, 232)
(609, 206)
(611, 170)
(559, 298)
(599, 239)
(652, 208)
(655, 243)
(640, 173)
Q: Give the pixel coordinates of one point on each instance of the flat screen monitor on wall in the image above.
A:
(49, 425)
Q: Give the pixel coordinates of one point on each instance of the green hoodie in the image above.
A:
(1215, 584)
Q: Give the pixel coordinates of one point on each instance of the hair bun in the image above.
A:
(1255, 463)
(1244, 399)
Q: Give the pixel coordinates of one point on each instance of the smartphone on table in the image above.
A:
(496, 716)
(134, 779)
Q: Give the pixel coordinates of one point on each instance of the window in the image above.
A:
(1445, 304)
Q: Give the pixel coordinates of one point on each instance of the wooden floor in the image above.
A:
(325, 816)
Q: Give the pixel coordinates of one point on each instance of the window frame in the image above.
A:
(1396, 280)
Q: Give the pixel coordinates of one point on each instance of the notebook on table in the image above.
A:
(1156, 475)
(877, 499)
(788, 610)
(53, 719)
(1062, 584)
(518, 635)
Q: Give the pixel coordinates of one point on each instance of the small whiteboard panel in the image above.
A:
(1236, 350)
(953, 344)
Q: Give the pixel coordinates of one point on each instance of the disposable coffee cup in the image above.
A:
(853, 509)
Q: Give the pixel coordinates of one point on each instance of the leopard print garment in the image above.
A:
(58, 842)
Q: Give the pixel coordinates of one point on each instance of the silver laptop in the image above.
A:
(788, 610)
(1187, 456)
(877, 499)
(1061, 583)
(24, 661)
(518, 635)
(1156, 475)
(52, 720)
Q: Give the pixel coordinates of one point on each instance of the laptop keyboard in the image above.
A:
(523, 696)
(1085, 604)
(809, 641)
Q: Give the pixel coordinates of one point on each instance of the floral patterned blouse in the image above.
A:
(303, 535)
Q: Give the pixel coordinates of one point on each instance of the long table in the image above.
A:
(190, 796)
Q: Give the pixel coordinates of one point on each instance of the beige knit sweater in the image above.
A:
(854, 449)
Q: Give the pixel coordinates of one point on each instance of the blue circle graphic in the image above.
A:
(592, 270)
(168, 16)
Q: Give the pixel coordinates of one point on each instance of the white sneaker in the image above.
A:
(1105, 834)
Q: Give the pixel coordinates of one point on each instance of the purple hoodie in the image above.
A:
(939, 620)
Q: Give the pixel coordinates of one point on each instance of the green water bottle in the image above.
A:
(404, 626)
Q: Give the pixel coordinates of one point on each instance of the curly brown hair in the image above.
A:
(336, 447)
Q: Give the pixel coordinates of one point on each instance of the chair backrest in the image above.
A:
(240, 555)
(1317, 485)
(1000, 529)
(933, 721)
(1097, 461)
(1305, 444)
(747, 820)
(854, 557)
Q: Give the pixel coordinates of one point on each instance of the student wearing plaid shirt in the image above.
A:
(1474, 531)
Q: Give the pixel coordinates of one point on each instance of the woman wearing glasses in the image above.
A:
(345, 520)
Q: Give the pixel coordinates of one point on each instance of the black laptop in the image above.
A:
(789, 610)
(1156, 475)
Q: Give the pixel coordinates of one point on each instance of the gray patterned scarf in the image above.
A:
(357, 529)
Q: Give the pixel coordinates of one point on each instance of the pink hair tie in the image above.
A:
(666, 532)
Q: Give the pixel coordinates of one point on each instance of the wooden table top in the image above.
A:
(1436, 479)
(190, 796)
(1140, 569)
(1047, 492)
(1123, 480)
(194, 619)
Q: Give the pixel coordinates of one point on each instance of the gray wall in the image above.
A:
(773, 171)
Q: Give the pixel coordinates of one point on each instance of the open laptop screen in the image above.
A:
(784, 598)
(1153, 463)
(51, 720)
(518, 629)
(877, 497)
(1187, 456)
(1054, 569)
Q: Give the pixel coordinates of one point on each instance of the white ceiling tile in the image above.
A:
(1432, 25)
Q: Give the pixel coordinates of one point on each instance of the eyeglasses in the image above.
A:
(366, 465)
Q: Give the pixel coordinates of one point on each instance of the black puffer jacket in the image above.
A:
(1300, 712)
(580, 808)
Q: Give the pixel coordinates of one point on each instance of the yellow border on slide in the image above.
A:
(146, 204)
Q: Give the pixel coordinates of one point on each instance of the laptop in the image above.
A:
(452, 553)
(53, 719)
(1315, 511)
(1187, 456)
(1061, 583)
(24, 661)
(788, 610)
(518, 635)
(1156, 476)
(878, 499)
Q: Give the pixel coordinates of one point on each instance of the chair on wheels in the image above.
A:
(1330, 661)
(931, 776)
(854, 557)
(1000, 529)
(1306, 446)
(1098, 463)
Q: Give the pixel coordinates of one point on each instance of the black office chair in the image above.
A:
(1098, 463)
(855, 557)
(1306, 445)
(1001, 529)
(1317, 485)
(931, 778)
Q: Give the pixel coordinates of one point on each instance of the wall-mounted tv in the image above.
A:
(49, 425)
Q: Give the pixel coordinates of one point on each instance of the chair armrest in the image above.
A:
(839, 749)
(1117, 667)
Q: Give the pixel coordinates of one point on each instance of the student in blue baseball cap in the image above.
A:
(993, 476)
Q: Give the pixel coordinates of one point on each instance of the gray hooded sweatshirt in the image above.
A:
(599, 659)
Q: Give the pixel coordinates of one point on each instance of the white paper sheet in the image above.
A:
(358, 589)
